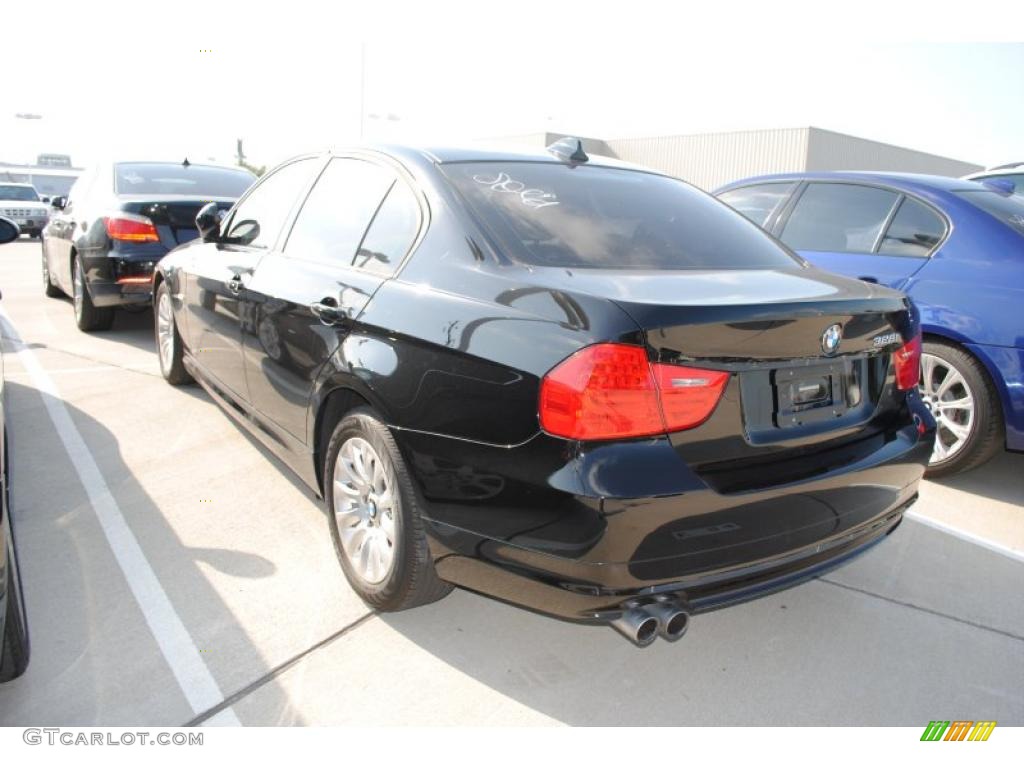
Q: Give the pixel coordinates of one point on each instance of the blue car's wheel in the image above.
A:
(965, 405)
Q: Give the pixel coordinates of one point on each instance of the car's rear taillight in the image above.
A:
(907, 362)
(688, 395)
(133, 229)
(611, 391)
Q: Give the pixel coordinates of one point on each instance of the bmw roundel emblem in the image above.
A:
(830, 339)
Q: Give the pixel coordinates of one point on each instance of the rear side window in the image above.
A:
(175, 179)
(337, 212)
(842, 218)
(1009, 209)
(758, 202)
(549, 214)
(915, 230)
(392, 232)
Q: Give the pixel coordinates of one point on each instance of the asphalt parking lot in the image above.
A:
(232, 608)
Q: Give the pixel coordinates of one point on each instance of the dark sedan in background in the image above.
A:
(119, 219)
(13, 625)
(956, 247)
(562, 381)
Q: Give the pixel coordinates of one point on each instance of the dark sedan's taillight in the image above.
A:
(907, 362)
(610, 391)
(132, 229)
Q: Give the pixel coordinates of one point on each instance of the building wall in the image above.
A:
(831, 151)
(709, 160)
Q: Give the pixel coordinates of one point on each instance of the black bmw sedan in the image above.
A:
(571, 384)
(119, 219)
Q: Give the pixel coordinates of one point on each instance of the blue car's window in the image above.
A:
(549, 214)
(915, 230)
(759, 201)
(838, 217)
(178, 179)
(1009, 209)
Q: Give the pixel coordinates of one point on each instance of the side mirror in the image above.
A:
(59, 202)
(44, 199)
(9, 231)
(208, 223)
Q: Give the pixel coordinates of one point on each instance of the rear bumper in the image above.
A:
(134, 270)
(1006, 366)
(111, 294)
(703, 548)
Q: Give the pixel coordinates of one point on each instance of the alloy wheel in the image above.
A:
(949, 398)
(364, 509)
(165, 330)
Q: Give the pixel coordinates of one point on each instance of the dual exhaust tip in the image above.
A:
(642, 624)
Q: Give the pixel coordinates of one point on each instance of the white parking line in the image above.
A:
(176, 645)
(993, 546)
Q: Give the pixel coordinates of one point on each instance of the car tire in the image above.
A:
(362, 456)
(88, 317)
(971, 432)
(15, 647)
(49, 288)
(169, 348)
(14, 660)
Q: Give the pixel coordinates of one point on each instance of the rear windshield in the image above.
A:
(1008, 208)
(175, 179)
(549, 214)
(12, 192)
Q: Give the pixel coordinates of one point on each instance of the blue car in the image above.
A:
(956, 247)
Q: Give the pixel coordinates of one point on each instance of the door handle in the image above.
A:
(868, 279)
(328, 314)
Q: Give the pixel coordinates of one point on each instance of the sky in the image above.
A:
(191, 81)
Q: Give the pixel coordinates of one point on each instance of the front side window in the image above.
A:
(337, 212)
(841, 218)
(554, 215)
(758, 202)
(915, 230)
(258, 219)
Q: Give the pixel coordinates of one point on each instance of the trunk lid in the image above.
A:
(174, 216)
(792, 396)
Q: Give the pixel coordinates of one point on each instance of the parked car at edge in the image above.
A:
(14, 647)
(565, 382)
(21, 204)
(117, 222)
(957, 249)
(1011, 175)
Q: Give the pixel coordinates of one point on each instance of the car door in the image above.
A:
(352, 232)
(219, 273)
(60, 231)
(871, 233)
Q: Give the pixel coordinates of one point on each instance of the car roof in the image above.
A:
(918, 181)
(484, 152)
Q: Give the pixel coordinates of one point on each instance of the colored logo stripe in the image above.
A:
(959, 730)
